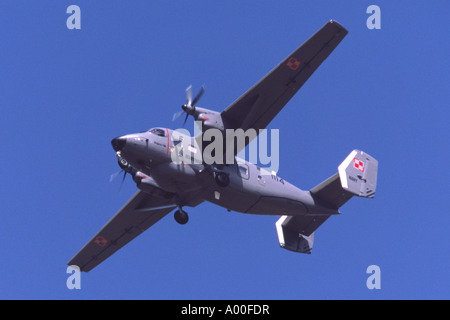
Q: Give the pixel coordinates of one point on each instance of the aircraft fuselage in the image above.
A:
(249, 188)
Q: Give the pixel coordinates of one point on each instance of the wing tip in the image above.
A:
(337, 24)
(75, 266)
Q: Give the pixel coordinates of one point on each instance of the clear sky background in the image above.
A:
(64, 94)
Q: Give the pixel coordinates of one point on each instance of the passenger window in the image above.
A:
(243, 171)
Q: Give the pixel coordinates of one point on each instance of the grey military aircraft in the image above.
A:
(165, 184)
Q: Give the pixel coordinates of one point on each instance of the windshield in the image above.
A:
(158, 131)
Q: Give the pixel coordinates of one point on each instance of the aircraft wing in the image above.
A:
(258, 106)
(141, 212)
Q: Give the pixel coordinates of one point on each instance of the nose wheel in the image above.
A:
(181, 216)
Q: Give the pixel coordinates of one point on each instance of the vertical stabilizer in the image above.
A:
(358, 174)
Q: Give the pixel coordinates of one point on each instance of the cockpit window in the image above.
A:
(158, 132)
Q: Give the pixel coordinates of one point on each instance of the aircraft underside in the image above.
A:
(167, 185)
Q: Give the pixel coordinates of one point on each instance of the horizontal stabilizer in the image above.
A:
(297, 233)
(330, 193)
(357, 176)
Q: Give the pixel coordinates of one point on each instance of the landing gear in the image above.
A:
(181, 216)
(222, 179)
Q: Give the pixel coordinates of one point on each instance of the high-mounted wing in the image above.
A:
(259, 105)
(141, 212)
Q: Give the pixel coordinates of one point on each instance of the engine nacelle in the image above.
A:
(144, 182)
(210, 119)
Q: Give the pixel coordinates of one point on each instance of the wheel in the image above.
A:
(181, 217)
(222, 179)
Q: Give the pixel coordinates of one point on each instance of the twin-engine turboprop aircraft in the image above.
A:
(237, 185)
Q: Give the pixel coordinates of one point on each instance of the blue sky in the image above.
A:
(66, 93)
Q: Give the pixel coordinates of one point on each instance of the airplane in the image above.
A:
(240, 186)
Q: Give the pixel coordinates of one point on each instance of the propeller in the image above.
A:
(189, 107)
(126, 168)
(114, 176)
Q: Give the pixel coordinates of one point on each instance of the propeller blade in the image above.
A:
(114, 175)
(185, 119)
(176, 115)
(199, 95)
(123, 179)
(189, 95)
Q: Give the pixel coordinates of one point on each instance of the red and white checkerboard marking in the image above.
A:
(358, 164)
(101, 241)
(293, 63)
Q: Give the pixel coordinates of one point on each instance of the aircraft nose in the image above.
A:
(118, 143)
